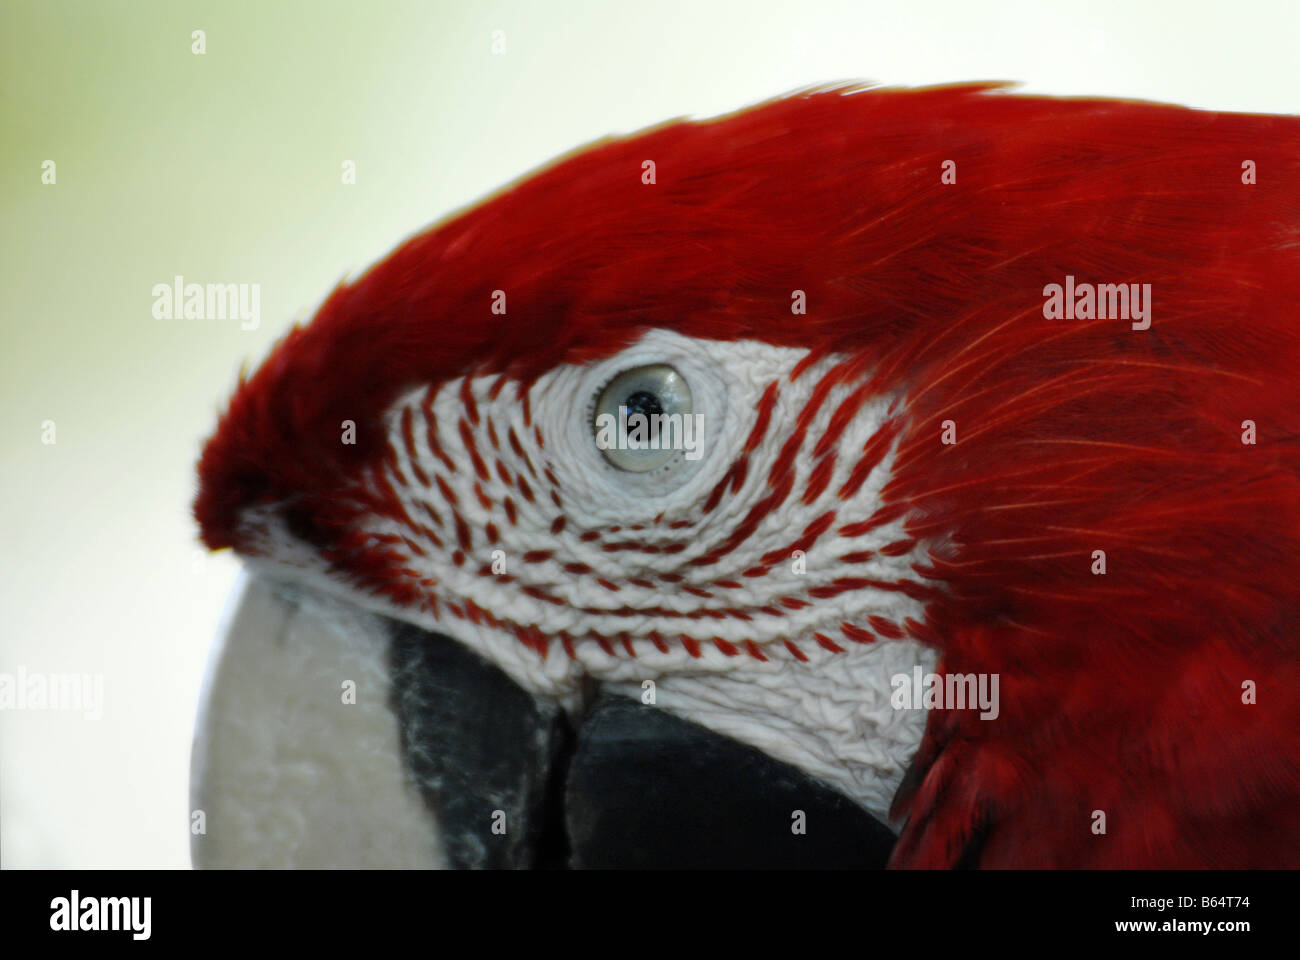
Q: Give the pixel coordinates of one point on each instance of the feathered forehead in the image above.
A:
(708, 228)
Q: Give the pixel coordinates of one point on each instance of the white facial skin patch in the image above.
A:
(758, 584)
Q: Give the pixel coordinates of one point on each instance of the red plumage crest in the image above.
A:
(1121, 693)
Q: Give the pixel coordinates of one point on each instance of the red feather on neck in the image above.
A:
(1120, 693)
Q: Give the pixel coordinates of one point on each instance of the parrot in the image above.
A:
(973, 540)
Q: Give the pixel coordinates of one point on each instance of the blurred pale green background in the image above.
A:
(226, 168)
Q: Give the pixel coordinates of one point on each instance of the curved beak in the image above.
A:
(329, 736)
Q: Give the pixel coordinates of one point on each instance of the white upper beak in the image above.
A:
(297, 757)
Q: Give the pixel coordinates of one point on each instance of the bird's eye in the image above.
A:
(640, 418)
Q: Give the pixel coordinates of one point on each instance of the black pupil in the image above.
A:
(643, 402)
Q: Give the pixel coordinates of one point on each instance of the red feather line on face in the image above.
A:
(1120, 693)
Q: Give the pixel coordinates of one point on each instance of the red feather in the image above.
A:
(1120, 693)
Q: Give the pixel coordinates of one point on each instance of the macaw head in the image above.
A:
(765, 437)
